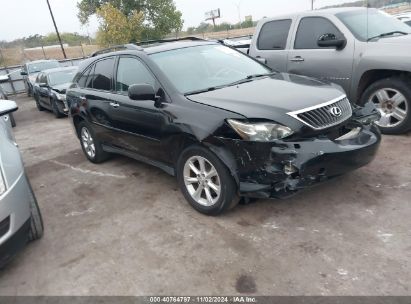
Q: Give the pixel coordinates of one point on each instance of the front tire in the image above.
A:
(205, 181)
(36, 221)
(38, 105)
(392, 97)
(55, 109)
(90, 145)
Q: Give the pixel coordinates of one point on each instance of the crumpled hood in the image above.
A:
(61, 88)
(271, 97)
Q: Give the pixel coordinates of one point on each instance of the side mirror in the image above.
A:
(331, 40)
(23, 73)
(42, 85)
(141, 91)
(7, 106)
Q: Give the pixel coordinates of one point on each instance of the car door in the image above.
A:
(271, 44)
(328, 63)
(44, 91)
(97, 94)
(139, 123)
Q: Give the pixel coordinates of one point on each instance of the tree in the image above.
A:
(117, 28)
(161, 17)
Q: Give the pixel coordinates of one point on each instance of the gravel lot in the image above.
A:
(124, 228)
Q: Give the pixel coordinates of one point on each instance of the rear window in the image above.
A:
(273, 35)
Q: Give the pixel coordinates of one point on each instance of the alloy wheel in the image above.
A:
(392, 105)
(88, 142)
(202, 181)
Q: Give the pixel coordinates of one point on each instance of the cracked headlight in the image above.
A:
(61, 96)
(260, 131)
(2, 183)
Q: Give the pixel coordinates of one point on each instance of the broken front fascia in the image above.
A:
(278, 169)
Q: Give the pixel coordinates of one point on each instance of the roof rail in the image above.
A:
(129, 46)
(192, 38)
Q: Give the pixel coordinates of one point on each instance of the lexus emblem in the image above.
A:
(336, 111)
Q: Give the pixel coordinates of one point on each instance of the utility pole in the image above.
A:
(312, 5)
(238, 5)
(57, 31)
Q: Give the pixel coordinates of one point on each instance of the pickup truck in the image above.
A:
(365, 51)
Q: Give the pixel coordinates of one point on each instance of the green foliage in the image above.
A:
(49, 39)
(117, 28)
(160, 16)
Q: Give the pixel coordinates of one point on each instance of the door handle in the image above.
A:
(261, 59)
(297, 59)
(114, 104)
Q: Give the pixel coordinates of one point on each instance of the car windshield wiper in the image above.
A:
(251, 77)
(246, 79)
(387, 34)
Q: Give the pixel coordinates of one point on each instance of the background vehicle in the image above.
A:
(20, 218)
(405, 17)
(363, 50)
(3, 96)
(241, 43)
(31, 69)
(224, 124)
(49, 90)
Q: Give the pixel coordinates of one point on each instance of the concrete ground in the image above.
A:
(124, 228)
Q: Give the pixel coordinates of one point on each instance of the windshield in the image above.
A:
(198, 68)
(41, 66)
(365, 26)
(61, 77)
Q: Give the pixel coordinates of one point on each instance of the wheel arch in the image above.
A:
(182, 142)
(77, 119)
(371, 76)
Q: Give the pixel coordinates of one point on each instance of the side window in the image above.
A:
(83, 78)
(132, 71)
(273, 35)
(103, 74)
(310, 29)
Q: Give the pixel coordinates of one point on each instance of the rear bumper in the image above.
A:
(278, 169)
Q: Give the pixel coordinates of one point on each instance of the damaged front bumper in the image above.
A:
(279, 169)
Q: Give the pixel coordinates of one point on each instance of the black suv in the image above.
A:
(226, 125)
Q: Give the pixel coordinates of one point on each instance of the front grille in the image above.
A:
(321, 117)
(4, 226)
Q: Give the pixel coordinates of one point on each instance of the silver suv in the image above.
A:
(365, 51)
(20, 218)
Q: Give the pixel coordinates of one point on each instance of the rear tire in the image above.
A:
(392, 96)
(208, 186)
(36, 221)
(90, 145)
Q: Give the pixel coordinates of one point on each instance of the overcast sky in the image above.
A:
(22, 18)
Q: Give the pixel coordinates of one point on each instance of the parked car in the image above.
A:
(49, 89)
(20, 217)
(3, 96)
(404, 17)
(363, 50)
(224, 124)
(30, 70)
(242, 43)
